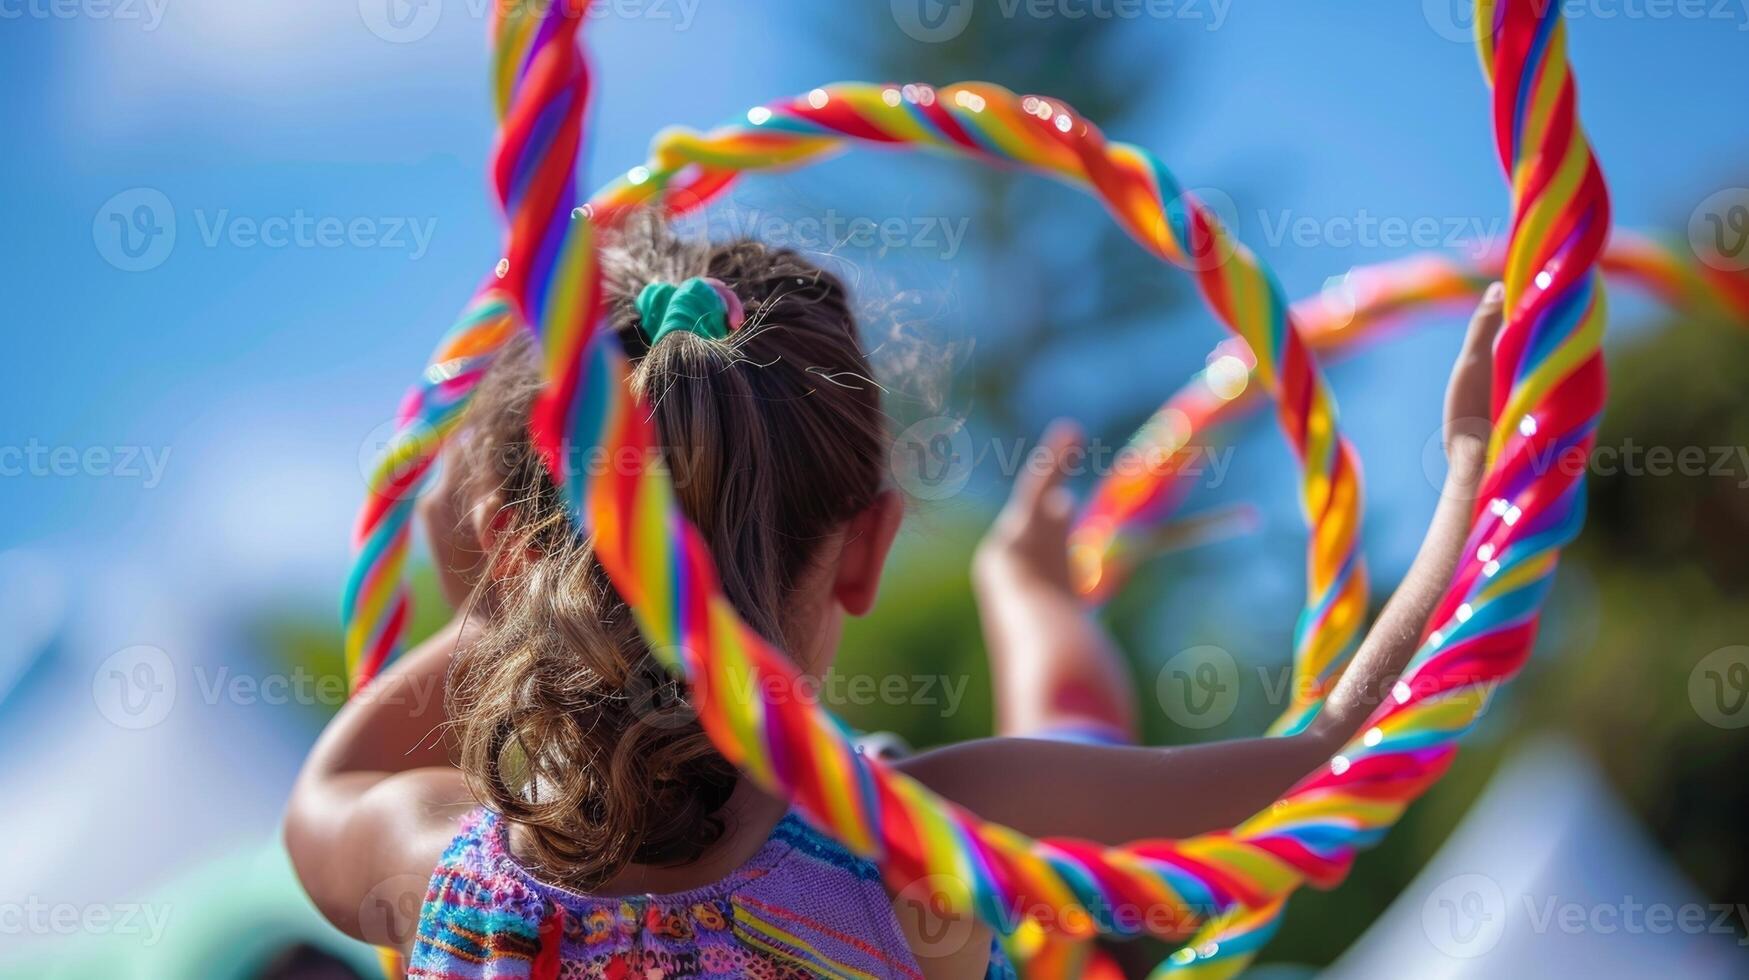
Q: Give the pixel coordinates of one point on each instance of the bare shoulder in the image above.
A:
(366, 860)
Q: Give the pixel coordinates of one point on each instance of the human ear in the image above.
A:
(489, 519)
(868, 537)
(494, 521)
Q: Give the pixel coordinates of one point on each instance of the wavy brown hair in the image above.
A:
(566, 724)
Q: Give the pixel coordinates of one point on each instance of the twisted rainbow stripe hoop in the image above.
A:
(375, 605)
(1128, 518)
(1123, 520)
(1548, 394)
(1223, 890)
(985, 122)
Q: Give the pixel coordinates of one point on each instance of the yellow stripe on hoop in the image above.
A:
(1553, 370)
(744, 711)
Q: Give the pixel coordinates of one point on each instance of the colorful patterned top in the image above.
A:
(803, 907)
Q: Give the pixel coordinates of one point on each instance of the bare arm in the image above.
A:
(1053, 665)
(378, 799)
(379, 796)
(1116, 794)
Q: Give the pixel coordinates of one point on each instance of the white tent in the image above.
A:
(1548, 876)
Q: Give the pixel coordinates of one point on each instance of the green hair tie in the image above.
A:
(702, 306)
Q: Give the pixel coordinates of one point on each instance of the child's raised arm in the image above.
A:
(1054, 667)
(378, 799)
(1113, 794)
(379, 796)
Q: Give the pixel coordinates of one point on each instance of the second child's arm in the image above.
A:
(1053, 666)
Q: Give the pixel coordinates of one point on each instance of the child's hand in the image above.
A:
(1468, 395)
(1031, 536)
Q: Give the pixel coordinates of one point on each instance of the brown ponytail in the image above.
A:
(567, 725)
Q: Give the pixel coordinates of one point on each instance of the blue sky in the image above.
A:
(220, 401)
(242, 114)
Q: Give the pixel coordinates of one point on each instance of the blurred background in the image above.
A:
(235, 230)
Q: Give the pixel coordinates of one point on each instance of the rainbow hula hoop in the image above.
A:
(1223, 891)
(1126, 520)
